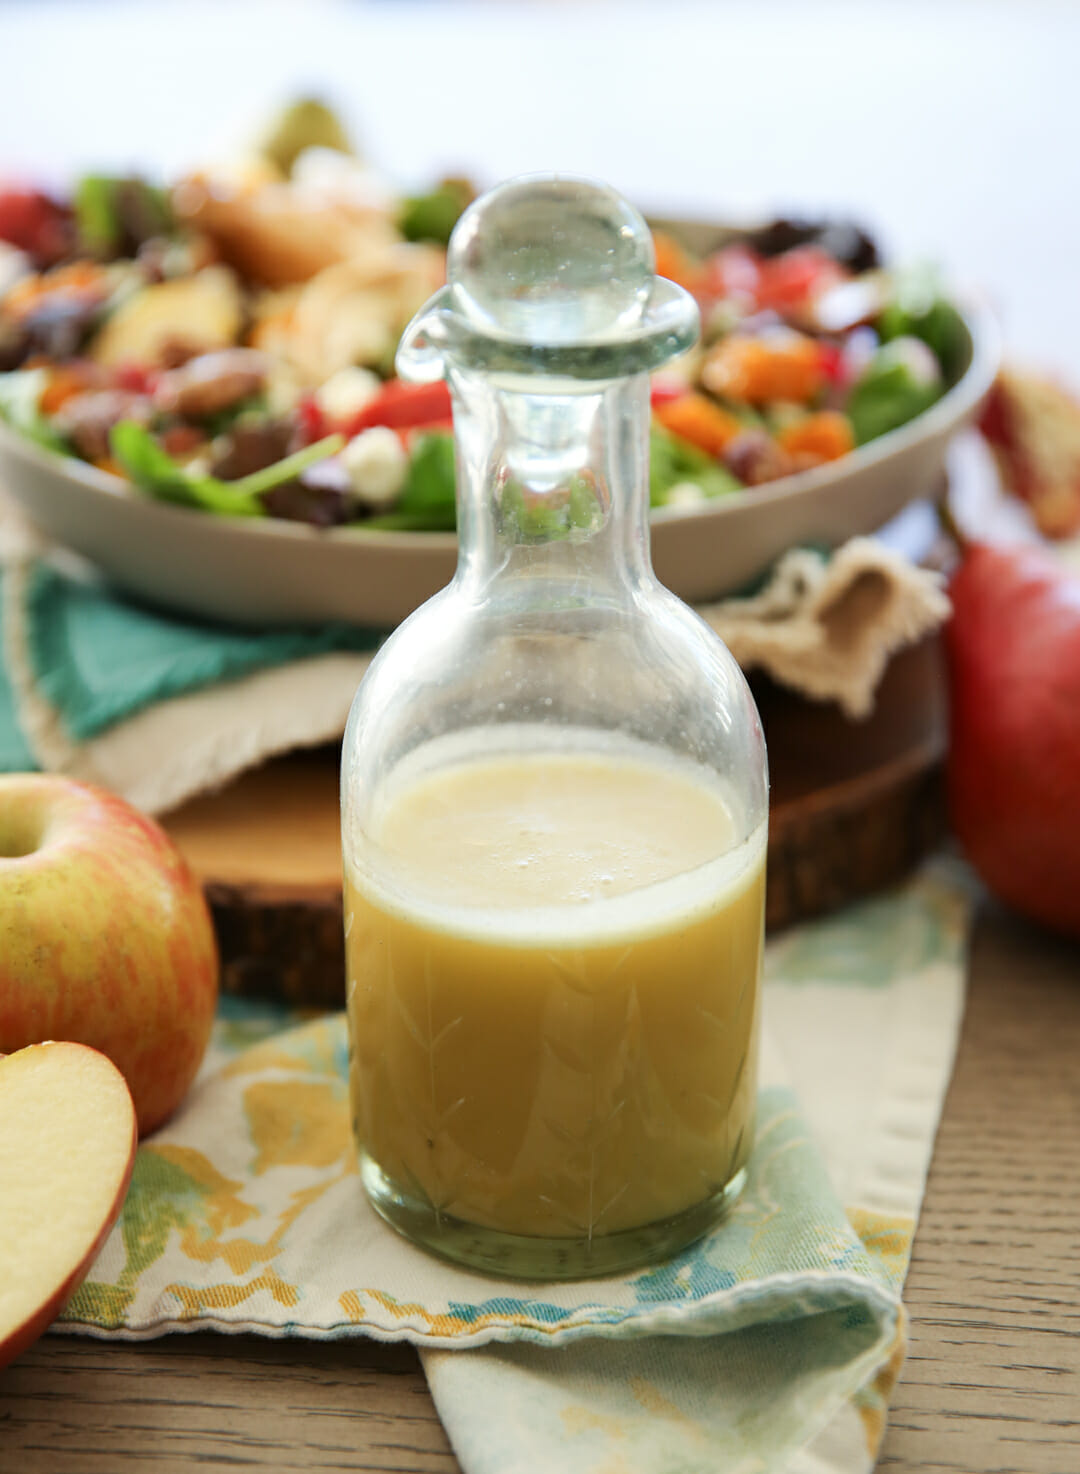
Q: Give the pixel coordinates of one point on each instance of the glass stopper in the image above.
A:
(550, 259)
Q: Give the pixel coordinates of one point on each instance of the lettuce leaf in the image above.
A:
(152, 469)
(673, 460)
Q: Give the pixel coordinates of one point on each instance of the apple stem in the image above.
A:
(949, 525)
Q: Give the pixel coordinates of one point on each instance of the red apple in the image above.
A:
(67, 1148)
(1014, 762)
(105, 937)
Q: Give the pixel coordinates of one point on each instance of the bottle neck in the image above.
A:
(553, 486)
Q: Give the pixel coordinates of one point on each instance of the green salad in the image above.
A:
(226, 341)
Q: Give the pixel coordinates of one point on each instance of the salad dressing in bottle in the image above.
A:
(554, 794)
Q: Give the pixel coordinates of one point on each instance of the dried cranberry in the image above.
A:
(135, 378)
(754, 457)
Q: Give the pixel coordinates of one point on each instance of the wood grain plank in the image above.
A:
(992, 1382)
(75, 1406)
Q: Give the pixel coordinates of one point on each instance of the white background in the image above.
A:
(952, 127)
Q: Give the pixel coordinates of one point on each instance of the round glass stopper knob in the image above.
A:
(551, 259)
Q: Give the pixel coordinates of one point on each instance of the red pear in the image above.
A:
(1014, 762)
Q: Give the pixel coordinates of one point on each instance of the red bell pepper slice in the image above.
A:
(403, 406)
(311, 419)
(832, 361)
(790, 280)
(667, 390)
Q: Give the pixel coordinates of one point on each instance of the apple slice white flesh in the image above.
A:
(67, 1148)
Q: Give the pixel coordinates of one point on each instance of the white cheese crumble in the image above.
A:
(685, 494)
(376, 463)
(346, 392)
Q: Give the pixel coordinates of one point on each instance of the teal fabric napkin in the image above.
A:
(154, 706)
(98, 658)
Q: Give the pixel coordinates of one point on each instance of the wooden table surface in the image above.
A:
(992, 1381)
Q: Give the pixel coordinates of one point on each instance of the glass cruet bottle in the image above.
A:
(554, 793)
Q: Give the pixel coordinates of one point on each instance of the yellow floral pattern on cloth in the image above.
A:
(888, 1237)
(246, 1212)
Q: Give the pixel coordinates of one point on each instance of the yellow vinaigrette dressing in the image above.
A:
(553, 960)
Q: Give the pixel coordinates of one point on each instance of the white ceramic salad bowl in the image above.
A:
(269, 572)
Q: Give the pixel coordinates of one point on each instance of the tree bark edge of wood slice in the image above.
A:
(817, 862)
(855, 807)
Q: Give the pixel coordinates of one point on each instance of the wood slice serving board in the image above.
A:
(854, 806)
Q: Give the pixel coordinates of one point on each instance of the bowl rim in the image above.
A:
(958, 402)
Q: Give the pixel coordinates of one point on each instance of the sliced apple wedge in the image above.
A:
(67, 1148)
